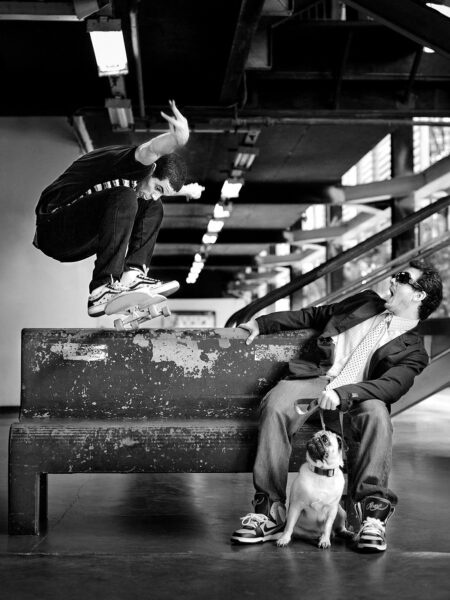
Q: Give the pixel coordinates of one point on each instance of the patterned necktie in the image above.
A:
(358, 359)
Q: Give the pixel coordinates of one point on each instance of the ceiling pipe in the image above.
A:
(137, 57)
(243, 126)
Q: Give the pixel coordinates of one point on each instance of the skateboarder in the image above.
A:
(108, 204)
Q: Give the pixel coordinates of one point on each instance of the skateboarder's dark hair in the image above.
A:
(173, 167)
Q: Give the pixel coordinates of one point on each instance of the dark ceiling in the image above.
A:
(319, 90)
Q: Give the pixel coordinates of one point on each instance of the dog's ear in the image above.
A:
(341, 443)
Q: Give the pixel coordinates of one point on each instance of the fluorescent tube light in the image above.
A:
(231, 188)
(120, 113)
(220, 212)
(215, 226)
(209, 238)
(109, 46)
(245, 156)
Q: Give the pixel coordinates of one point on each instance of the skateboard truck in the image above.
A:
(137, 307)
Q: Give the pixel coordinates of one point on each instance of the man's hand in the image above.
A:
(178, 124)
(328, 400)
(253, 329)
(166, 143)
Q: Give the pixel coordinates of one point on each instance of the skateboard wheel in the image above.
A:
(118, 324)
(153, 311)
(166, 311)
(134, 325)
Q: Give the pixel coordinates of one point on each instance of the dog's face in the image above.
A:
(325, 447)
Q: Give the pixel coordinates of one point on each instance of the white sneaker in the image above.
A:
(261, 527)
(140, 281)
(100, 297)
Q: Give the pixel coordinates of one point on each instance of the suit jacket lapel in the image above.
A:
(341, 322)
(398, 344)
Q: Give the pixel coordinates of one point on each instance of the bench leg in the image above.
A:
(27, 502)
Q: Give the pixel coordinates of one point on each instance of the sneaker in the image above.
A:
(262, 526)
(373, 512)
(100, 297)
(154, 286)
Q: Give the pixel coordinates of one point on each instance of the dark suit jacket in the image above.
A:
(392, 367)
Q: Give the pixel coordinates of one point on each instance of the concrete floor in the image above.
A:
(167, 536)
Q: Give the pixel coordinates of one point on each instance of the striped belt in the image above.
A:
(100, 187)
(106, 185)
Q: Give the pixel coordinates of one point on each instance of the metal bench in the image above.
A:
(152, 401)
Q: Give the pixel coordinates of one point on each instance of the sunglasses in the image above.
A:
(405, 278)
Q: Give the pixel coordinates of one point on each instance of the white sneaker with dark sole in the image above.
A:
(100, 297)
(258, 527)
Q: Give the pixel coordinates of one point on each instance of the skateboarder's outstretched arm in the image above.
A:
(166, 143)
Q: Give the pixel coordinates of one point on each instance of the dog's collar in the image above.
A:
(324, 472)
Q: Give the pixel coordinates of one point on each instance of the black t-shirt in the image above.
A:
(96, 167)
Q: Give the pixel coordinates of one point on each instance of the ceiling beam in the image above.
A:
(327, 233)
(195, 215)
(249, 15)
(255, 194)
(188, 235)
(434, 179)
(430, 71)
(413, 20)
(37, 11)
(218, 249)
(235, 262)
(73, 10)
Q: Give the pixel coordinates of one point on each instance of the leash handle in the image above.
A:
(344, 452)
(322, 421)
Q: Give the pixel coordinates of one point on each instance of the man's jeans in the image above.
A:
(370, 453)
(114, 224)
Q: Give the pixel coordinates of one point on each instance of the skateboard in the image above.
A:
(138, 307)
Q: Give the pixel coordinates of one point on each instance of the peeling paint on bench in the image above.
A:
(151, 374)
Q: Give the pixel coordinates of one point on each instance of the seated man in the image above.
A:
(367, 356)
(108, 204)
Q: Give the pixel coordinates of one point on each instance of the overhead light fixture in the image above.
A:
(231, 188)
(109, 46)
(215, 226)
(197, 267)
(444, 10)
(191, 190)
(428, 50)
(222, 210)
(245, 156)
(209, 238)
(120, 113)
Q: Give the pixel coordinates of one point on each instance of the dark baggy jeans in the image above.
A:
(114, 224)
(370, 453)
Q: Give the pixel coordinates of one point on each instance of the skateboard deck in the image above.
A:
(137, 307)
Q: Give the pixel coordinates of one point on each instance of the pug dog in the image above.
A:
(314, 511)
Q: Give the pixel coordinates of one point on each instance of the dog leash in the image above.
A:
(314, 407)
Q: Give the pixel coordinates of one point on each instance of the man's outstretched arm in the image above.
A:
(175, 138)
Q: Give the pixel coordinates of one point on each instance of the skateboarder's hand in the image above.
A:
(178, 124)
(253, 329)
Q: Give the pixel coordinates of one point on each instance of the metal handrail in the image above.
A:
(377, 275)
(246, 313)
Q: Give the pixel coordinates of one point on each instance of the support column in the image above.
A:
(402, 163)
